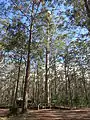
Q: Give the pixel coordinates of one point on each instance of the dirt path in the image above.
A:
(81, 114)
(62, 114)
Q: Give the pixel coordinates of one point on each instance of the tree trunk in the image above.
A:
(34, 88)
(37, 86)
(84, 84)
(55, 76)
(66, 91)
(66, 74)
(24, 106)
(46, 79)
(69, 87)
(47, 82)
(87, 7)
(22, 87)
(12, 96)
(17, 82)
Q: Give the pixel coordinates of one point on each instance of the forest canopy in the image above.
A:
(45, 53)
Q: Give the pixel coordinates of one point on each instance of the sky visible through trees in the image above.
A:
(44, 54)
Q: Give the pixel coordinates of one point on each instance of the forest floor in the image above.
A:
(48, 114)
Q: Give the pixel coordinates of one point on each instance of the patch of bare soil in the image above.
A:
(47, 114)
(4, 112)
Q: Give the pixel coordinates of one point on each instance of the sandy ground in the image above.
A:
(47, 114)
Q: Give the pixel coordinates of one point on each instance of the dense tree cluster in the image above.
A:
(44, 53)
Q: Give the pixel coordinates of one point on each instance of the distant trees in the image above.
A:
(49, 58)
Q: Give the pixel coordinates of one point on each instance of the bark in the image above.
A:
(12, 96)
(22, 87)
(87, 8)
(55, 77)
(24, 106)
(84, 84)
(66, 74)
(34, 88)
(69, 87)
(46, 79)
(17, 82)
(1, 56)
(76, 88)
(47, 82)
(37, 86)
(66, 91)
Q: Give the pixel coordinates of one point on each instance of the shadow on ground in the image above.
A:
(80, 114)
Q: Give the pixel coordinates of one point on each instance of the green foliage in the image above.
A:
(15, 37)
(57, 31)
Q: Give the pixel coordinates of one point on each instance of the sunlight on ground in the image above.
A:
(48, 114)
(3, 118)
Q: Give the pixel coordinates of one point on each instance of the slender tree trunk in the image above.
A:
(66, 74)
(34, 88)
(24, 106)
(22, 87)
(46, 79)
(76, 88)
(47, 82)
(17, 82)
(55, 77)
(84, 84)
(37, 86)
(66, 91)
(69, 87)
(1, 56)
(12, 96)
(87, 7)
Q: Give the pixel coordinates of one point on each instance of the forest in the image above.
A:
(45, 59)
